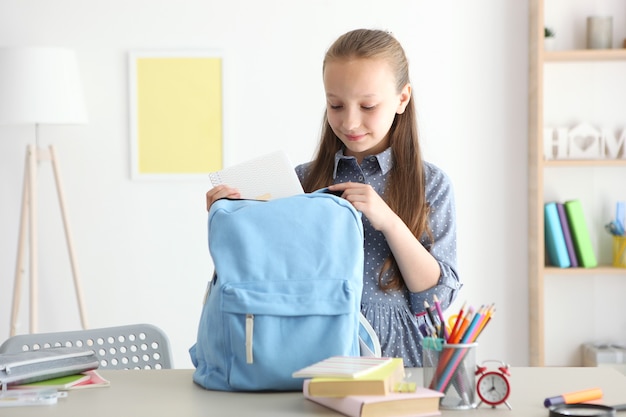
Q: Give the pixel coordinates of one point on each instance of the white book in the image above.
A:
(342, 367)
(267, 177)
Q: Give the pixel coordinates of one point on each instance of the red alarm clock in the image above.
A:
(493, 386)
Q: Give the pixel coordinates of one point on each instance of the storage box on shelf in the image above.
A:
(605, 354)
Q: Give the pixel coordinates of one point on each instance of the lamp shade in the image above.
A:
(40, 86)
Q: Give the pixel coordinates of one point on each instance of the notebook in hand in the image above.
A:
(264, 178)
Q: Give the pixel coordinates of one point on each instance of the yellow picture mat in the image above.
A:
(177, 114)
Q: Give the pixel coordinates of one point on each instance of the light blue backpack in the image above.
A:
(286, 292)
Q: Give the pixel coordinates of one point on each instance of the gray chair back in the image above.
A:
(135, 346)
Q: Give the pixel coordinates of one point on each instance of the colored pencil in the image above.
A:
(444, 357)
(486, 319)
(464, 325)
(440, 314)
(457, 323)
(469, 336)
(468, 326)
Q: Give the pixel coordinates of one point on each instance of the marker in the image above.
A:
(431, 317)
(423, 328)
(574, 397)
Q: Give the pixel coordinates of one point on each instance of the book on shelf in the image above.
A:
(554, 238)
(421, 402)
(342, 367)
(384, 380)
(569, 243)
(580, 234)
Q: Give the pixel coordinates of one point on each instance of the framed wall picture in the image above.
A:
(175, 113)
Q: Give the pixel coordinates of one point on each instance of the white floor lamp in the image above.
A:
(39, 86)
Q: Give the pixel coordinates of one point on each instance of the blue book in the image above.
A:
(555, 240)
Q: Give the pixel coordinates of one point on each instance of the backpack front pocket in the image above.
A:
(266, 323)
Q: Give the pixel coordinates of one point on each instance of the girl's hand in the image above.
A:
(221, 191)
(367, 201)
(419, 269)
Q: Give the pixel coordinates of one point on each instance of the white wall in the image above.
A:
(141, 245)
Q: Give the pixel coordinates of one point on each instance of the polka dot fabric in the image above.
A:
(393, 313)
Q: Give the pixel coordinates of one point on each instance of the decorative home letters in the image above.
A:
(614, 148)
(583, 141)
(555, 146)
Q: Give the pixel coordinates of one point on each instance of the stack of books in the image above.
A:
(367, 387)
(568, 243)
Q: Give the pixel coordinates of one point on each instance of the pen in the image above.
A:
(574, 397)
(431, 317)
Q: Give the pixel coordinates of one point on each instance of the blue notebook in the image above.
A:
(555, 240)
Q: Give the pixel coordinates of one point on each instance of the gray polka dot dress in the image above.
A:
(395, 315)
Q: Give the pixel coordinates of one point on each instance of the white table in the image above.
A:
(172, 393)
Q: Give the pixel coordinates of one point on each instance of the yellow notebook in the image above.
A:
(381, 381)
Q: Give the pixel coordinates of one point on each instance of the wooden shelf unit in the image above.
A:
(585, 55)
(537, 269)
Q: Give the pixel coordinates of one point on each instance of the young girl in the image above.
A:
(369, 153)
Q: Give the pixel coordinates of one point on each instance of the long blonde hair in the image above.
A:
(405, 192)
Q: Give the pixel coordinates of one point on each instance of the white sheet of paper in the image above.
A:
(267, 177)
